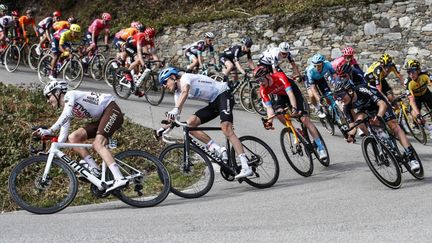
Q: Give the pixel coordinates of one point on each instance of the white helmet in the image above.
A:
(284, 47)
(55, 85)
(209, 35)
(3, 7)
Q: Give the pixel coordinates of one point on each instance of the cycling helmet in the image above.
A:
(209, 35)
(413, 64)
(284, 47)
(343, 85)
(247, 41)
(72, 20)
(106, 16)
(348, 51)
(29, 11)
(55, 85)
(386, 59)
(134, 24)
(343, 68)
(57, 14)
(140, 27)
(75, 28)
(318, 58)
(150, 32)
(15, 13)
(3, 7)
(166, 73)
(260, 71)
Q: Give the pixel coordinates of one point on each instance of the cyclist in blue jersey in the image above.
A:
(317, 74)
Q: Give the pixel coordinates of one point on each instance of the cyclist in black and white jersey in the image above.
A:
(221, 102)
(45, 29)
(231, 55)
(273, 57)
(8, 23)
(194, 52)
(107, 118)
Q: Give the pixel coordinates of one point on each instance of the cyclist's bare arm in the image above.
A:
(106, 36)
(182, 97)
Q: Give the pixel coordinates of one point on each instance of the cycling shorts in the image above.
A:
(89, 40)
(190, 56)
(118, 43)
(130, 49)
(110, 121)
(282, 101)
(388, 115)
(222, 106)
(322, 85)
(55, 46)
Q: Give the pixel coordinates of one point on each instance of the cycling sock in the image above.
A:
(90, 161)
(115, 169)
(244, 161)
(319, 144)
(317, 107)
(212, 145)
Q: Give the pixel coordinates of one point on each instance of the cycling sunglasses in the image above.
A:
(412, 70)
(261, 80)
(340, 95)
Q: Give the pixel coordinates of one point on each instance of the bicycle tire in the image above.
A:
(33, 57)
(121, 87)
(12, 58)
(97, 67)
(24, 54)
(296, 149)
(327, 121)
(186, 184)
(74, 72)
(339, 118)
(27, 173)
(419, 174)
(217, 77)
(391, 161)
(149, 190)
(256, 162)
(412, 124)
(153, 92)
(44, 68)
(110, 69)
(256, 100)
(326, 161)
(245, 98)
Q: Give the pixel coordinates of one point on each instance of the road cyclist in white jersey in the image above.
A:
(107, 118)
(220, 103)
(273, 57)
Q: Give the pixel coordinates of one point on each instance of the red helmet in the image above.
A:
(150, 32)
(106, 16)
(15, 13)
(348, 51)
(260, 71)
(57, 14)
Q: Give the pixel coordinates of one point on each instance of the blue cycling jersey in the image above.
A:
(313, 75)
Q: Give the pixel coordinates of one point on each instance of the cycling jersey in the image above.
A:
(375, 74)
(124, 34)
(234, 53)
(6, 22)
(141, 39)
(336, 62)
(46, 23)
(196, 49)
(65, 36)
(59, 25)
(313, 75)
(201, 87)
(97, 26)
(80, 104)
(273, 57)
(419, 87)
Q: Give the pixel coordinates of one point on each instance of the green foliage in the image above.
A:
(21, 108)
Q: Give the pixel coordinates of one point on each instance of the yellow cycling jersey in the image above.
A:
(376, 72)
(419, 87)
(66, 36)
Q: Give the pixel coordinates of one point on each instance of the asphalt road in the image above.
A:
(341, 203)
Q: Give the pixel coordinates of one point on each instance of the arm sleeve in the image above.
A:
(64, 132)
(66, 115)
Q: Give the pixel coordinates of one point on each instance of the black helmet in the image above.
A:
(247, 41)
(343, 68)
(343, 85)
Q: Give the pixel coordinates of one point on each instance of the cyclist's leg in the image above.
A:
(193, 61)
(202, 116)
(56, 53)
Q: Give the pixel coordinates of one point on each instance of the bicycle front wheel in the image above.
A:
(42, 197)
(191, 179)
(12, 58)
(33, 57)
(153, 92)
(262, 159)
(245, 97)
(73, 72)
(110, 70)
(97, 67)
(382, 163)
(296, 152)
(415, 129)
(122, 87)
(256, 100)
(44, 68)
(149, 182)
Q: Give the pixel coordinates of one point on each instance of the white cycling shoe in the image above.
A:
(322, 154)
(320, 113)
(414, 164)
(244, 173)
(118, 184)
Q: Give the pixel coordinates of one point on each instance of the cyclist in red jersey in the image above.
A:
(93, 33)
(287, 94)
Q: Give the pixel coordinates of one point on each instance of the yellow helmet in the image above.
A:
(75, 28)
(386, 59)
(413, 64)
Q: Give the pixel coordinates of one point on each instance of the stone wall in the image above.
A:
(401, 28)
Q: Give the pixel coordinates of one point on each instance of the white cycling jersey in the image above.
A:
(273, 57)
(201, 87)
(46, 23)
(7, 21)
(80, 104)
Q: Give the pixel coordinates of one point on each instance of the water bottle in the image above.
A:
(144, 76)
(224, 153)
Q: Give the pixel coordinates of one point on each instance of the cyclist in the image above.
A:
(63, 24)
(3, 9)
(231, 55)
(275, 56)
(45, 29)
(316, 76)
(61, 46)
(376, 75)
(122, 36)
(137, 45)
(107, 117)
(347, 56)
(8, 23)
(25, 21)
(93, 34)
(417, 85)
(287, 94)
(221, 102)
(359, 100)
(194, 52)
(346, 70)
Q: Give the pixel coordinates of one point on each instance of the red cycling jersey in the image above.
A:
(281, 85)
(97, 26)
(141, 38)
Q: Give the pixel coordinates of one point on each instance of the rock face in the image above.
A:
(401, 28)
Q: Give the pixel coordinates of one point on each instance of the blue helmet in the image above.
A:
(165, 73)
(318, 58)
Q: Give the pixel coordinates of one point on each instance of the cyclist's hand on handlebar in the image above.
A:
(299, 79)
(268, 124)
(171, 115)
(43, 132)
(218, 67)
(351, 138)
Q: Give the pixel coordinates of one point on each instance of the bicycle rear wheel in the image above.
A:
(149, 188)
(122, 88)
(415, 129)
(110, 70)
(12, 58)
(256, 100)
(262, 159)
(245, 98)
(153, 92)
(296, 152)
(44, 68)
(97, 67)
(382, 163)
(188, 181)
(73, 72)
(33, 195)
(33, 57)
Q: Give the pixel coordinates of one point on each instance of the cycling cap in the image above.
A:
(260, 71)
(209, 35)
(284, 47)
(348, 51)
(166, 73)
(247, 41)
(318, 58)
(55, 85)
(386, 59)
(57, 14)
(106, 16)
(75, 28)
